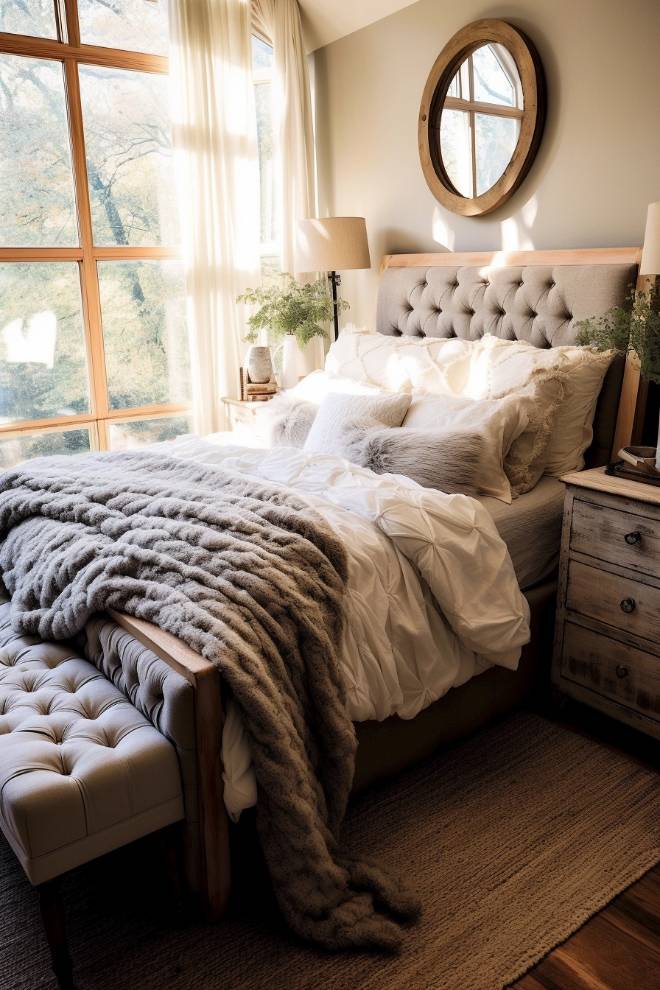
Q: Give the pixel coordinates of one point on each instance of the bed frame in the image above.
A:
(388, 747)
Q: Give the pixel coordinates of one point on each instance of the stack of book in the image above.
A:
(256, 391)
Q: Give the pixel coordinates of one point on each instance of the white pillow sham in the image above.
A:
(502, 367)
(339, 414)
(315, 386)
(430, 364)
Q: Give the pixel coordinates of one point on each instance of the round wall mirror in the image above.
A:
(481, 117)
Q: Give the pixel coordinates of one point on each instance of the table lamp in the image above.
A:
(331, 245)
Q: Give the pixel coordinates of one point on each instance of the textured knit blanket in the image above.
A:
(248, 576)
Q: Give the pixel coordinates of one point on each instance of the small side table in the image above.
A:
(244, 416)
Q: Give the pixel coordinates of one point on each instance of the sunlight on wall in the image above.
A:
(516, 232)
(442, 232)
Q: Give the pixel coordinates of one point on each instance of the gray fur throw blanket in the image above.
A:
(249, 577)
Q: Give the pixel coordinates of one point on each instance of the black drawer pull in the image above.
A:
(633, 539)
(628, 605)
(621, 671)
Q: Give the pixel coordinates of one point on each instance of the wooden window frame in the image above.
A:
(265, 77)
(71, 53)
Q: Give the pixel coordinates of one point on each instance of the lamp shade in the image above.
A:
(650, 263)
(331, 245)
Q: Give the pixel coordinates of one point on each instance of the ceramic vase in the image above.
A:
(290, 373)
(259, 364)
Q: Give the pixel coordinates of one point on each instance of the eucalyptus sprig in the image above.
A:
(632, 327)
(286, 307)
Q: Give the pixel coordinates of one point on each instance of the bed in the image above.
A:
(464, 287)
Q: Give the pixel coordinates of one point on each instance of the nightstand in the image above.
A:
(243, 414)
(607, 638)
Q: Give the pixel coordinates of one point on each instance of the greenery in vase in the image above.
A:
(286, 306)
(633, 327)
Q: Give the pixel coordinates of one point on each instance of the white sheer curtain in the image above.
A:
(278, 21)
(214, 133)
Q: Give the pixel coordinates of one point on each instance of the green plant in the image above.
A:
(286, 307)
(632, 327)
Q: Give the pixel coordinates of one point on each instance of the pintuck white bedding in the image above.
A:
(432, 598)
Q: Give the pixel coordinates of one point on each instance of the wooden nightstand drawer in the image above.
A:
(620, 673)
(616, 536)
(607, 640)
(618, 601)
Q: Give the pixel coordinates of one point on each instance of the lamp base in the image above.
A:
(335, 281)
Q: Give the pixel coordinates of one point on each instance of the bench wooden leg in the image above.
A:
(52, 915)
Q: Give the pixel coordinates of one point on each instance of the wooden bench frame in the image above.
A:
(215, 866)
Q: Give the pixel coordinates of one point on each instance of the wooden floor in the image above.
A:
(618, 949)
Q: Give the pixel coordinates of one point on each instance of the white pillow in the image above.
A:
(339, 413)
(501, 367)
(315, 386)
(430, 364)
(499, 421)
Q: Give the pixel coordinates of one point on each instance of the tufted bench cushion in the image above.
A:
(82, 771)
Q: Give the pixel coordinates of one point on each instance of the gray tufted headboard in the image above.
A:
(538, 297)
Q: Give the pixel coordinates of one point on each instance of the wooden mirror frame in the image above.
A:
(532, 80)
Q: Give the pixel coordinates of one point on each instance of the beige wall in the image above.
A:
(598, 165)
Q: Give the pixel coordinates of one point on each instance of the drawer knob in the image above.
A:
(633, 539)
(621, 671)
(628, 605)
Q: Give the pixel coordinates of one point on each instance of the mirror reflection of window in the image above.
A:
(480, 119)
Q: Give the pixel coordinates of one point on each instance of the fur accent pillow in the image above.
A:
(340, 415)
(290, 420)
(449, 462)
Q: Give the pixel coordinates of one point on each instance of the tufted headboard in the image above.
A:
(536, 296)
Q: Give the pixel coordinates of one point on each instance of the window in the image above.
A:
(262, 74)
(480, 120)
(93, 343)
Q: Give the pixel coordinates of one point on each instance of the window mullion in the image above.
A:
(88, 270)
(472, 119)
(72, 24)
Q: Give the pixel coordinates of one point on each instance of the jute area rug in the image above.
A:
(513, 840)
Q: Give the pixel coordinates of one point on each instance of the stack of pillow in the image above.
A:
(482, 417)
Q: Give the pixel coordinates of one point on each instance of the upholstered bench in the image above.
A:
(83, 770)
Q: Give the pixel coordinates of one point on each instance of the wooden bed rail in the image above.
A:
(215, 871)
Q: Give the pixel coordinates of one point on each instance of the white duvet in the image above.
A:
(431, 596)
